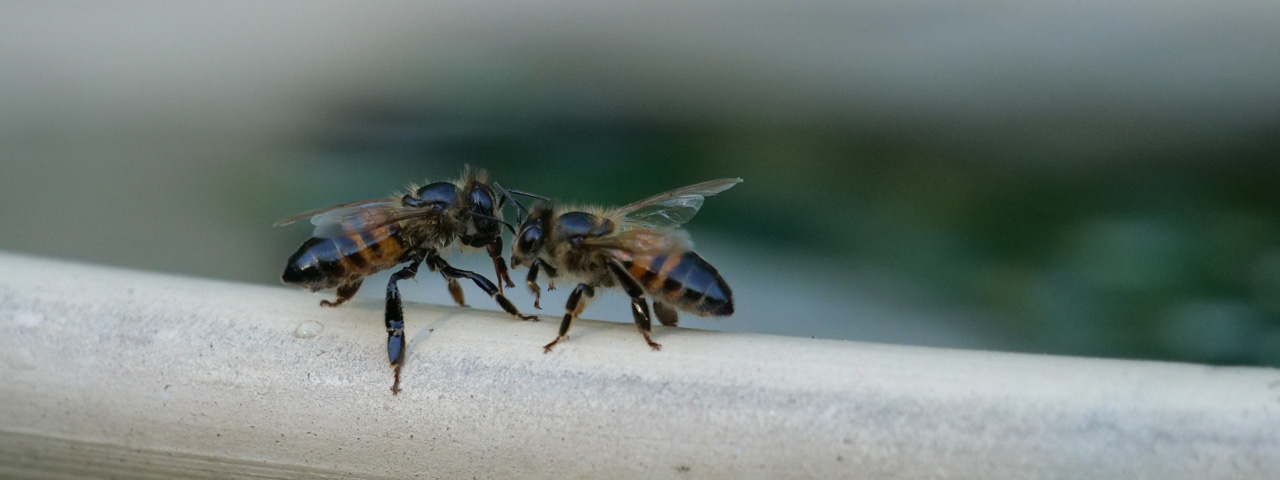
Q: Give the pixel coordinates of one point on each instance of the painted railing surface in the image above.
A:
(112, 372)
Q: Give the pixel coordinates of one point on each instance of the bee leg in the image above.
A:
(551, 275)
(640, 311)
(666, 314)
(500, 265)
(639, 307)
(572, 309)
(395, 320)
(345, 292)
(455, 291)
(532, 280)
(435, 263)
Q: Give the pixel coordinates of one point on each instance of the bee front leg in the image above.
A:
(435, 263)
(551, 275)
(572, 309)
(395, 320)
(500, 265)
(639, 307)
(532, 280)
(345, 292)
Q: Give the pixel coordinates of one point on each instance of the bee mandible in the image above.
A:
(638, 247)
(354, 240)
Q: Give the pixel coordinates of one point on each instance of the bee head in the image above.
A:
(484, 222)
(530, 238)
(481, 199)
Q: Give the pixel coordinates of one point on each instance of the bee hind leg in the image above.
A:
(435, 263)
(345, 292)
(395, 320)
(455, 291)
(639, 307)
(667, 315)
(573, 307)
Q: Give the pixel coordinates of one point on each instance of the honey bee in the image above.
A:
(357, 239)
(637, 247)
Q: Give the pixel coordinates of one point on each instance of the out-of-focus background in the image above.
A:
(1089, 178)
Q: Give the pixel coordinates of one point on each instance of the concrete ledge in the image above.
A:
(111, 372)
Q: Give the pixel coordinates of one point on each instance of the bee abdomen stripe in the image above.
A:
(644, 271)
(684, 280)
(704, 290)
(670, 286)
(332, 268)
(388, 248)
(648, 278)
(356, 260)
(692, 297)
(667, 264)
(677, 273)
(371, 242)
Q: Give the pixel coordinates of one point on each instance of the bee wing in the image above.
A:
(644, 242)
(313, 213)
(673, 208)
(356, 217)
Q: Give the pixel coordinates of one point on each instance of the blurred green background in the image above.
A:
(1087, 179)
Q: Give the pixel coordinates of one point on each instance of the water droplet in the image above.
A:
(308, 329)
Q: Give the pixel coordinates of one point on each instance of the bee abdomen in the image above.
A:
(685, 281)
(329, 262)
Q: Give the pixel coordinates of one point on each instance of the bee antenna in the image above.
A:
(521, 211)
(530, 195)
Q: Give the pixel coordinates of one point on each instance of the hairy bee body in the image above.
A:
(322, 263)
(683, 280)
(354, 240)
(637, 247)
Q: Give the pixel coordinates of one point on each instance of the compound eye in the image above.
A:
(482, 199)
(530, 240)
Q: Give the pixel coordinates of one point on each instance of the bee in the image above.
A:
(354, 240)
(637, 247)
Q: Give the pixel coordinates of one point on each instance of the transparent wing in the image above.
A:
(312, 213)
(673, 208)
(643, 242)
(356, 217)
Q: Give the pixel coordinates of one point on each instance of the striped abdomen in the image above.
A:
(685, 281)
(329, 262)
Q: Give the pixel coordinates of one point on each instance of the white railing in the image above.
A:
(112, 372)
